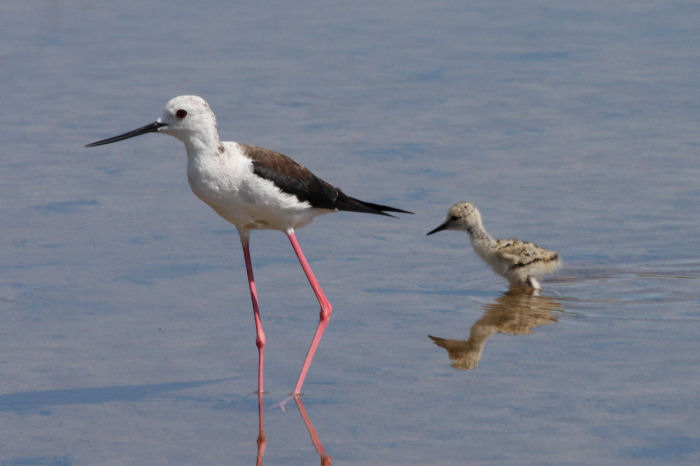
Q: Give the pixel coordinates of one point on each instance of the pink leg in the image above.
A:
(325, 459)
(260, 339)
(262, 441)
(326, 310)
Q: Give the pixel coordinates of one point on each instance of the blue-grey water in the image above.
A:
(127, 334)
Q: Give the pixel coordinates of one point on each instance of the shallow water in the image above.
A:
(127, 330)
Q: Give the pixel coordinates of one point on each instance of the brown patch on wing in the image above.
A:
(276, 161)
(291, 177)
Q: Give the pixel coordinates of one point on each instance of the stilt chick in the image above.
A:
(522, 263)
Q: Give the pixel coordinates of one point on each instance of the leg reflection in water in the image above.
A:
(262, 441)
(326, 460)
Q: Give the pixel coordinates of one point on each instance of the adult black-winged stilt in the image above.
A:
(253, 188)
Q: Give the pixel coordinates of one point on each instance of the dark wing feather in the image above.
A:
(293, 178)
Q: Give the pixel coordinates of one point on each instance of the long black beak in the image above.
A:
(440, 228)
(149, 128)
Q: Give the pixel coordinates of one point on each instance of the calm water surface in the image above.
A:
(127, 333)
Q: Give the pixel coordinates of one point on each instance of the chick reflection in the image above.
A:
(517, 312)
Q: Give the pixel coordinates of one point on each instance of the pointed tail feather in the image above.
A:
(355, 205)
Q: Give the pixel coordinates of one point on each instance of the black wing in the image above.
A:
(293, 178)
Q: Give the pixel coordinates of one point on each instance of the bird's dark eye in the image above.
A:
(181, 114)
(453, 218)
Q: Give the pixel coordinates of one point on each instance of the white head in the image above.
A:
(461, 216)
(185, 117)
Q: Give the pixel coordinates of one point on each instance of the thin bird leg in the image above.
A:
(260, 338)
(326, 310)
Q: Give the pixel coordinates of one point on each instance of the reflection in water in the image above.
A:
(517, 312)
(262, 441)
(325, 459)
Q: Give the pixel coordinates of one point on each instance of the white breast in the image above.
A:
(226, 182)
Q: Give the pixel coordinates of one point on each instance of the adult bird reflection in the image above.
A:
(262, 439)
(517, 312)
(326, 460)
(254, 188)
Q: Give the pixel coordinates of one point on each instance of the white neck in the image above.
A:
(203, 142)
(478, 234)
(481, 241)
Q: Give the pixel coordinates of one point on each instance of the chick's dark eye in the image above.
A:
(181, 114)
